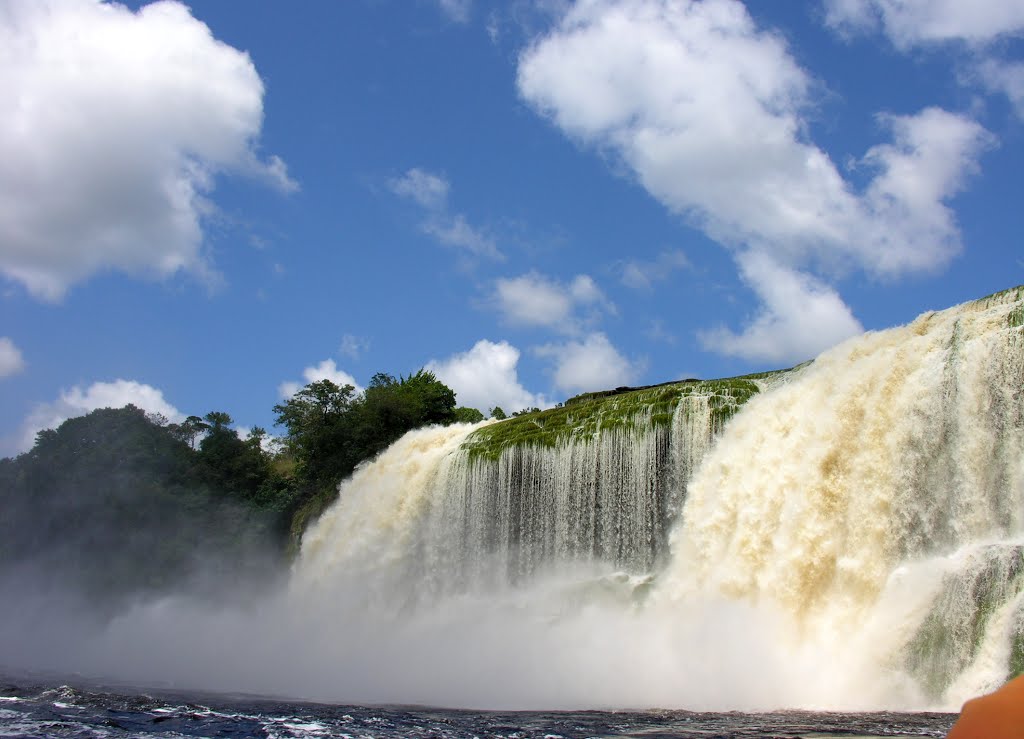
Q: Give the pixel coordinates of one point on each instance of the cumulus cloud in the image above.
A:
(430, 191)
(799, 317)
(708, 112)
(931, 155)
(909, 23)
(326, 370)
(485, 377)
(535, 300)
(589, 364)
(641, 275)
(11, 361)
(78, 402)
(113, 128)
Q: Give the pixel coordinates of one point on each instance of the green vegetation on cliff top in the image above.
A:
(585, 416)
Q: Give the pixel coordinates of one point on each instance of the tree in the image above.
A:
(318, 434)
(468, 415)
(189, 430)
(230, 464)
(390, 407)
(498, 413)
(113, 503)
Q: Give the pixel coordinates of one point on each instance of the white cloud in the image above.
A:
(11, 361)
(485, 377)
(907, 225)
(78, 402)
(909, 23)
(1005, 78)
(455, 231)
(589, 364)
(978, 26)
(800, 316)
(456, 10)
(113, 127)
(353, 347)
(657, 332)
(641, 275)
(425, 188)
(430, 191)
(535, 300)
(708, 112)
(326, 370)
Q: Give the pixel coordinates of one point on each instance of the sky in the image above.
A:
(206, 206)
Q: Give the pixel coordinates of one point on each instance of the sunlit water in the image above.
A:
(31, 709)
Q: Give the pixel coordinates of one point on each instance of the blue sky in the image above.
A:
(204, 207)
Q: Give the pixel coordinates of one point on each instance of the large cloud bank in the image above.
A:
(708, 112)
(113, 128)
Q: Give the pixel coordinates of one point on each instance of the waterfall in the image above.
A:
(848, 534)
(453, 509)
(900, 451)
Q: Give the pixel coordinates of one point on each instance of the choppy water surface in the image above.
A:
(31, 709)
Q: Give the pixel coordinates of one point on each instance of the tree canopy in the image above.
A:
(329, 429)
(118, 501)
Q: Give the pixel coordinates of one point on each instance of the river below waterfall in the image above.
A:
(49, 708)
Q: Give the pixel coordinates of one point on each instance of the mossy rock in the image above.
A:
(624, 409)
(951, 636)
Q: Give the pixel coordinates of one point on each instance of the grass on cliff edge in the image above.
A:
(584, 416)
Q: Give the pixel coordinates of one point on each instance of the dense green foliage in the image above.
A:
(330, 430)
(116, 503)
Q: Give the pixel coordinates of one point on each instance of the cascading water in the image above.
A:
(899, 451)
(448, 514)
(853, 538)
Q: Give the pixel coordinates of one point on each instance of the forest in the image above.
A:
(120, 503)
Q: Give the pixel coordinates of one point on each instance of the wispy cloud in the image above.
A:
(353, 347)
(642, 275)
(430, 191)
(457, 11)
(456, 231)
(427, 189)
(11, 360)
(978, 30)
